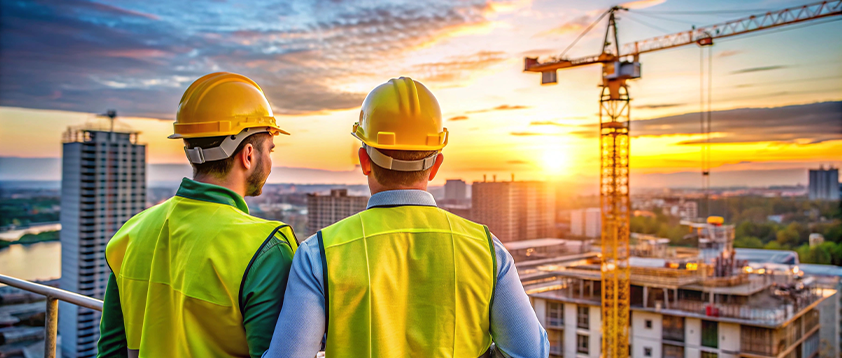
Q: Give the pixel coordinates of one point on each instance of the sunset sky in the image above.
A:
(62, 61)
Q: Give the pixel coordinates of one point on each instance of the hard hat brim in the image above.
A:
(402, 146)
(272, 129)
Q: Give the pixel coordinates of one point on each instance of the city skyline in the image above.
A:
(317, 62)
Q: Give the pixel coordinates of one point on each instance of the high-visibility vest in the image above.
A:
(179, 267)
(407, 281)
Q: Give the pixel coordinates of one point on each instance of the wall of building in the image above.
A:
(692, 337)
(595, 331)
(514, 211)
(540, 307)
(829, 321)
(103, 186)
(570, 330)
(643, 337)
(729, 340)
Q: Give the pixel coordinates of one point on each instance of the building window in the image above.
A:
(648, 324)
(709, 355)
(555, 314)
(582, 344)
(556, 338)
(647, 351)
(671, 351)
(757, 340)
(582, 319)
(710, 334)
(673, 328)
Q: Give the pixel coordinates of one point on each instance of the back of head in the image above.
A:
(220, 168)
(401, 129)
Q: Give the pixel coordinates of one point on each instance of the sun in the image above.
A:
(555, 160)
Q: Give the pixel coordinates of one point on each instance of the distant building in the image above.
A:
(515, 210)
(577, 222)
(775, 218)
(688, 210)
(536, 249)
(824, 184)
(593, 222)
(455, 189)
(103, 184)
(586, 222)
(816, 239)
(324, 210)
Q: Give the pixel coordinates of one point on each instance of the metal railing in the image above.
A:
(51, 317)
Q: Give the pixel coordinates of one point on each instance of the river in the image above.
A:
(38, 261)
(14, 235)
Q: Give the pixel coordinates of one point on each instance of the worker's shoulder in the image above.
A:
(460, 224)
(152, 213)
(353, 221)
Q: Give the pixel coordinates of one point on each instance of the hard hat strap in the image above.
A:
(224, 150)
(388, 162)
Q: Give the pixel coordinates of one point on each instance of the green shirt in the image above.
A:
(262, 294)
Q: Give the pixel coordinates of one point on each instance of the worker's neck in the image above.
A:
(229, 182)
(376, 187)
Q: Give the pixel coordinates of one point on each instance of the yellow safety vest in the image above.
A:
(407, 281)
(179, 268)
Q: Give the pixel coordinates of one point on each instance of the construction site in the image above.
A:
(688, 302)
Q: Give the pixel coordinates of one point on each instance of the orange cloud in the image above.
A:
(134, 53)
(642, 4)
(571, 26)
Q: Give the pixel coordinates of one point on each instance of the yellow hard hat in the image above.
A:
(716, 220)
(401, 114)
(220, 104)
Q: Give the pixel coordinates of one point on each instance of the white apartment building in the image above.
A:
(103, 185)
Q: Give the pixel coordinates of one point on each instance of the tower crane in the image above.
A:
(619, 65)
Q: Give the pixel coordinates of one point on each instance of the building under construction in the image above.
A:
(687, 302)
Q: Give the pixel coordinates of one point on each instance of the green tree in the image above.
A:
(749, 242)
(819, 254)
(791, 236)
(773, 245)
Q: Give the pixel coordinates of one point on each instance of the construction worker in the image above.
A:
(404, 278)
(197, 276)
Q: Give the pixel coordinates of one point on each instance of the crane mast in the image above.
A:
(620, 64)
(615, 206)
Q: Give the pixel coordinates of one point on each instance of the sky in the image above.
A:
(776, 94)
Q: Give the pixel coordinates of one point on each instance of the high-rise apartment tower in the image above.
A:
(103, 184)
(515, 210)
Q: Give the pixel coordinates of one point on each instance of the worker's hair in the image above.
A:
(394, 178)
(221, 168)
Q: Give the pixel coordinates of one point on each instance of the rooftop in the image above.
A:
(526, 244)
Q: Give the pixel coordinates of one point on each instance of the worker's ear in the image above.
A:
(435, 169)
(248, 156)
(365, 162)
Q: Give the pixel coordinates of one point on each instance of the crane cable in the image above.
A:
(583, 34)
(705, 121)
